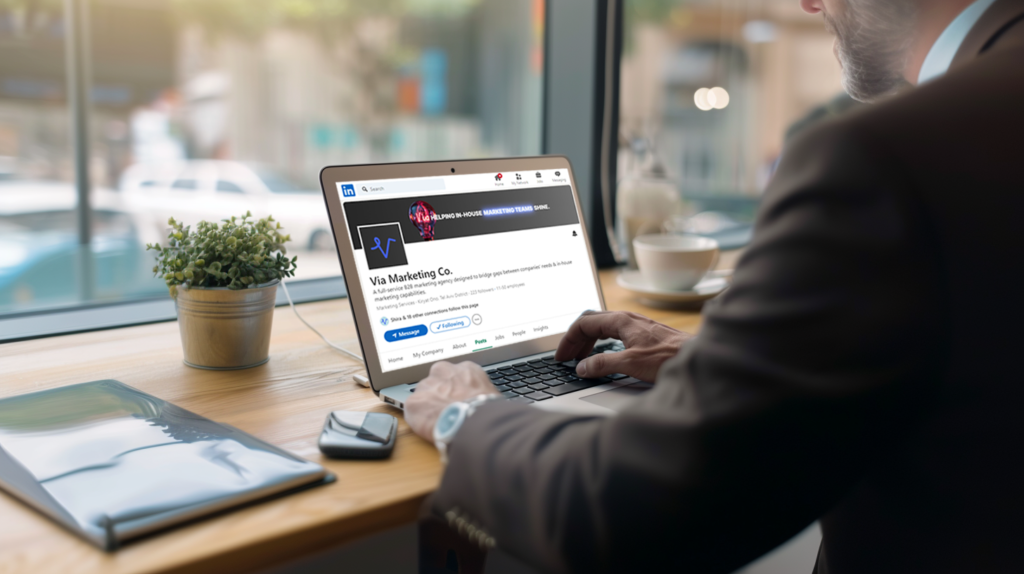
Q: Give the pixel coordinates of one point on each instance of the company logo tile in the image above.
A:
(348, 190)
(383, 245)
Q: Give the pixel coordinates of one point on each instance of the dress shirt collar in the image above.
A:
(942, 53)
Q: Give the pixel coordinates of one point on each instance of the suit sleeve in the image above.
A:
(815, 361)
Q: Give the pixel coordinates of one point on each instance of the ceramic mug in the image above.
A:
(675, 262)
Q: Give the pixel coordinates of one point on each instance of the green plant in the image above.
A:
(237, 253)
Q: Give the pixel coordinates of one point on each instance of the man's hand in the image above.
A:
(648, 344)
(446, 384)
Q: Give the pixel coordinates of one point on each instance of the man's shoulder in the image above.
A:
(990, 86)
(977, 108)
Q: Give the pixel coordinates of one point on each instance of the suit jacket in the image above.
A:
(864, 368)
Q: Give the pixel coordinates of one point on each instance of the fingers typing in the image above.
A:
(605, 364)
(588, 329)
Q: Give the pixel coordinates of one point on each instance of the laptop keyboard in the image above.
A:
(543, 379)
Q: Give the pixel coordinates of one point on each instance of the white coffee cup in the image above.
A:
(675, 262)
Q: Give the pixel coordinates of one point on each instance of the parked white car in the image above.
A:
(211, 190)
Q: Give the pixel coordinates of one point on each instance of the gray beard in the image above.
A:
(873, 39)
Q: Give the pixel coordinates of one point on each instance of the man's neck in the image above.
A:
(934, 17)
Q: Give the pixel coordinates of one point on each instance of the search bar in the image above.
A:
(392, 186)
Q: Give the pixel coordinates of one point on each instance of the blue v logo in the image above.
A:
(383, 250)
(383, 244)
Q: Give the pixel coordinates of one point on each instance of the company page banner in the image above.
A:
(448, 275)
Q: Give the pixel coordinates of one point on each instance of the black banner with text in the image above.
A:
(439, 217)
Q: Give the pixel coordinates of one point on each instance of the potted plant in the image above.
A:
(223, 279)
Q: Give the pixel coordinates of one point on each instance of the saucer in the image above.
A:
(711, 286)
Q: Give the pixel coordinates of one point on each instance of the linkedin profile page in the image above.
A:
(446, 276)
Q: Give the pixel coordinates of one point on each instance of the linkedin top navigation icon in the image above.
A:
(558, 174)
(538, 175)
(497, 177)
(347, 190)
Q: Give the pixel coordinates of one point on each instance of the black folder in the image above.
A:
(112, 463)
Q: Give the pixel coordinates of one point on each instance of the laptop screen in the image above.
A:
(455, 265)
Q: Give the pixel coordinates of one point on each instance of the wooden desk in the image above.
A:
(284, 402)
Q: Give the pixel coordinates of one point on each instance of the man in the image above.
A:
(862, 370)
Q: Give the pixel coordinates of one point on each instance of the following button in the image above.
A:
(405, 333)
(449, 325)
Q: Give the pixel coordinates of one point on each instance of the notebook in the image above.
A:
(112, 463)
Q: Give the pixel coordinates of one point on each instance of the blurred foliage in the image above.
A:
(237, 253)
(30, 17)
(646, 11)
(347, 29)
(439, 7)
(329, 18)
(253, 18)
(650, 10)
(30, 5)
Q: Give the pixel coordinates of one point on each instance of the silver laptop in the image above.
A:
(485, 261)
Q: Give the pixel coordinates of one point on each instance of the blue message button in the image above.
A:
(450, 324)
(405, 333)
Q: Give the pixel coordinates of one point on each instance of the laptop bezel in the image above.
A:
(331, 175)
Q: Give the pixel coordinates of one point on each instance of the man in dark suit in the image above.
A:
(862, 370)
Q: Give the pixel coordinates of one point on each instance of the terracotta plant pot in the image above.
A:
(225, 329)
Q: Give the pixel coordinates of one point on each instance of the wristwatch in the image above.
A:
(451, 419)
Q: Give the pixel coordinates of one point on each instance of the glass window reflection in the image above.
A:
(200, 109)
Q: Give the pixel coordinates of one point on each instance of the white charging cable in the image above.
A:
(335, 347)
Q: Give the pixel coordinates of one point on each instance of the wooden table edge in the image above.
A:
(311, 540)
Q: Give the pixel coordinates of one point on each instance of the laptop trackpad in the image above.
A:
(616, 399)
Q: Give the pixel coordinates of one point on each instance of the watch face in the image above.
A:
(449, 416)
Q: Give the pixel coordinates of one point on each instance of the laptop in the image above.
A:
(485, 261)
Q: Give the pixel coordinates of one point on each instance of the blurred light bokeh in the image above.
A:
(773, 64)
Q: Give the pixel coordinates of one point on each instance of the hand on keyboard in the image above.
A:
(446, 384)
(648, 344)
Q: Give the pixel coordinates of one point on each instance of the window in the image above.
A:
(710, 90)
(200, 109)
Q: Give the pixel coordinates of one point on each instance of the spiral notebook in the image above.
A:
(112, 463)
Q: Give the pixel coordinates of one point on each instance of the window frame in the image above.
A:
(583, 47)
